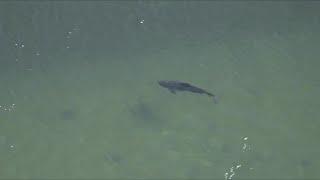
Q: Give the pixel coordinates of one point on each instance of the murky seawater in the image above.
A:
(80, 99)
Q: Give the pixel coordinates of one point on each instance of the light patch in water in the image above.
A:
(232, 171)
(7, 108)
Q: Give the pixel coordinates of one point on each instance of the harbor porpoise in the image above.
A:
(174, 86)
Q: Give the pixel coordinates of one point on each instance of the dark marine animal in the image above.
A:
(174, 86)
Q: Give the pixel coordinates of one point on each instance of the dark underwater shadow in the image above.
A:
(68, 114)
(146, 115)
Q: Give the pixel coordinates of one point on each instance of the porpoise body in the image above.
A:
(174, 86)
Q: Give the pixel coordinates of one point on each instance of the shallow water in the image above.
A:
(80, 98)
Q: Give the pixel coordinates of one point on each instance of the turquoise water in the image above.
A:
(79, 94)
